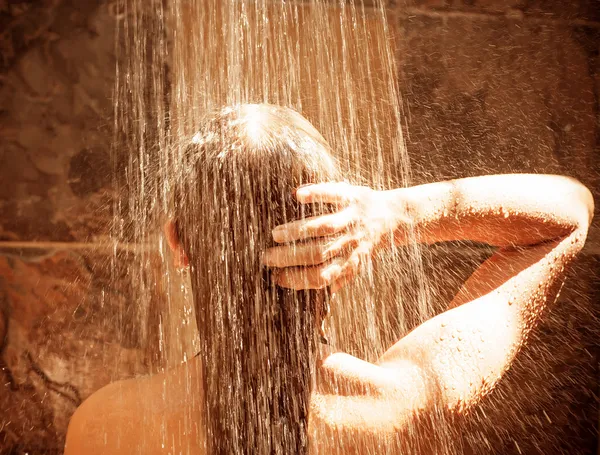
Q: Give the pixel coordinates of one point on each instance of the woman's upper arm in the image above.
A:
(501, 210)
(466, 349)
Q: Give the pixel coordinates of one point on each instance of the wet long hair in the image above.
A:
(258, 341)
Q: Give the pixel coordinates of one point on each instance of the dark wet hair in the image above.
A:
(257, 340)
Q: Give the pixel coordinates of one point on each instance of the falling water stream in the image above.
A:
(334, 62)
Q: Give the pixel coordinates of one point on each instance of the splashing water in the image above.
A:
(332, 62)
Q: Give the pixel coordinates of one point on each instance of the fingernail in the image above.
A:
(275, 233)
(278, 234)
(330, 273)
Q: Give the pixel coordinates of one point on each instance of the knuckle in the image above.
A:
(313, 279)
(326, 229)
(354, 240)
(325, 254)
(336, 225)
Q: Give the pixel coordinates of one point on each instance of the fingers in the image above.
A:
(336, 273)
(340, 283)
(308, 277)
(316, 226)
(328, 192)
(294, 255)
(313, 253)
(360, 258)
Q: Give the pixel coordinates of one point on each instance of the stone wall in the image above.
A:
(488, 86)
(59, 288)
(58, 68)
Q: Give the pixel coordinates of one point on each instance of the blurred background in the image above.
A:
(488, 86)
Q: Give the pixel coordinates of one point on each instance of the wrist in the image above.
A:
(397, 214)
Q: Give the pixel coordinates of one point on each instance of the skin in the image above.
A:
(446, 365)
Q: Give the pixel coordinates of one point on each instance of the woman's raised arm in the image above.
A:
(538, 222)
(501, 210)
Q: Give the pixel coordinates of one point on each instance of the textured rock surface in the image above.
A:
(67, 328)
(498, 96)
(546, 9)
(56, 79)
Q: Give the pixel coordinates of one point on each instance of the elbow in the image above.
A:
(584, 220)
(579, 203)
(588, 201)
(584, 201)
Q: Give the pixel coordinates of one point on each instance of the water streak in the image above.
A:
(334, 62)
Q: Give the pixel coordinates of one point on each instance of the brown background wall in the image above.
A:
(59, 339)
(489, 86)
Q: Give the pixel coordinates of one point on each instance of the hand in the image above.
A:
(335, 247)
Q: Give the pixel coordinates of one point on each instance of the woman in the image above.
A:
(258, 384)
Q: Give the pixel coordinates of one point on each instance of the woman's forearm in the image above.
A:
(501, 210)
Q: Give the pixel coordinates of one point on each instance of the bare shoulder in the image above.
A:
(148, 414)
(109, 421)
